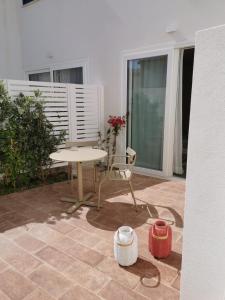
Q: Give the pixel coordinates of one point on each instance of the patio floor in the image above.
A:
(46, 254)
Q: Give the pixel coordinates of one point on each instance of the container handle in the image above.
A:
(163, 237)
(126, 245)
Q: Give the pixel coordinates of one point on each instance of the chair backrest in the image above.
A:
(81, 144)
(132, 155)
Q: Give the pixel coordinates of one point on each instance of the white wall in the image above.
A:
(10, 41)
(203, 270)
(101, 29)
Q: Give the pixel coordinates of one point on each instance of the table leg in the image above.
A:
(80, 181)
(82, 200)
(80, 186)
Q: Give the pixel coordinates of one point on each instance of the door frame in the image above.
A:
(170, 104)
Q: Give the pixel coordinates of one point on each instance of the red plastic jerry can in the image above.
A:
(160, 239)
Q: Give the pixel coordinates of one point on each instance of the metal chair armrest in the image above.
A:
(122, 167)
(116, 156)
(117, 165)
(119, 155)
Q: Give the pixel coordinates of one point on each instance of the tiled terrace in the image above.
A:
(45, 254)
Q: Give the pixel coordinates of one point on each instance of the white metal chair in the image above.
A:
(120, 171)
(71, 166)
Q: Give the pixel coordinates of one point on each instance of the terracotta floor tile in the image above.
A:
(44, 233)
(167, 273)
(176, 283)
(177, 246)
(156, 291)
(63, 243)
(17, 219)
(85, 254)
(108, 223)
(83, 237)
(38, 294)
(51, 281)
(166, 268)
(105, 248)
(81, 223)
(85, 211)
(17, 257)
(103, 233)
(60, 226)
(114, 290)
(6, 225)
(37, 215)
(176, 235)
(3, 266)
(145, 269)
(23, 262)
(15, 232)
(55, 258)
(3, 296)
(4, 210)
(79, 293)
(7, 247)
(173, 260)
(75, 251)
(14, 285)
(114, 270)
(86, 276)
(29, 243)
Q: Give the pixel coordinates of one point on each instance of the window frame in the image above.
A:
(61, 66)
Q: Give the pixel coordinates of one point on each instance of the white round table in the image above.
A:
(78, 155)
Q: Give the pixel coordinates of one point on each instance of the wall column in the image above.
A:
(203, 270)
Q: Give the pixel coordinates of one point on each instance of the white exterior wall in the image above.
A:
(100, 30)
(203, 270)
(10, 41)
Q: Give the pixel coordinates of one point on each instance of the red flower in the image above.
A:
(116, 122)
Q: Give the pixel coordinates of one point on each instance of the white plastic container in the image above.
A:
(125, 246)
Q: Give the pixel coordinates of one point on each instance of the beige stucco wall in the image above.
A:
(10, 40)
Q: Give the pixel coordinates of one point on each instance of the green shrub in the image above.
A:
(26, 139)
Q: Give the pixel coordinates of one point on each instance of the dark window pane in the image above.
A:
(45, 76)
(27, 1)
(73, 75)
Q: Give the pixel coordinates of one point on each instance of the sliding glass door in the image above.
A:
(146, 94)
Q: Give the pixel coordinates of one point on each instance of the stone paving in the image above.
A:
(46, 254)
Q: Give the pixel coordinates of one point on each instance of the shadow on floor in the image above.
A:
(174, 260)
(43, 204)
(148, 273)
(116, 214)
(178, 221)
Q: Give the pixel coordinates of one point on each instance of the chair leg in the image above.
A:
(99, 192)
(132, 193)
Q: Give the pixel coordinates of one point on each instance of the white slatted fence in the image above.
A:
(86, 110)
(78, 109)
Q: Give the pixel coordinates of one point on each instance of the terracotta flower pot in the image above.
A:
(160, 239)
